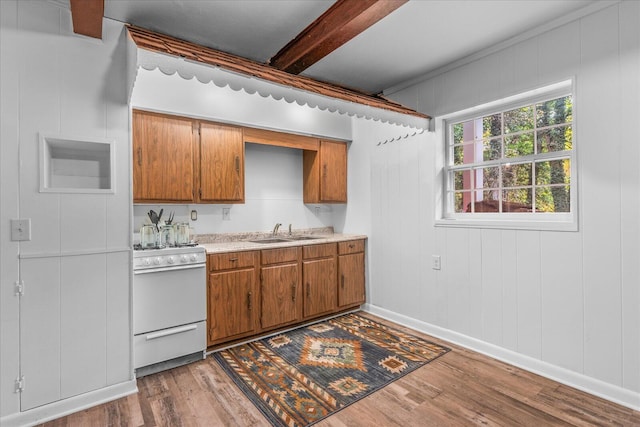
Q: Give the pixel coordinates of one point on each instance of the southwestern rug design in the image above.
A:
(302, 376)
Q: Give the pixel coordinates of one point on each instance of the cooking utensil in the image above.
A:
(153, 216)
(170, 220)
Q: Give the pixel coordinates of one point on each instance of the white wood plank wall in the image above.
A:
(70, 333)
(569, 300)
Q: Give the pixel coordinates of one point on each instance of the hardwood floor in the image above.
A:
(460, 388)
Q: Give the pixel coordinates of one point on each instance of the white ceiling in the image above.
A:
(419, 37)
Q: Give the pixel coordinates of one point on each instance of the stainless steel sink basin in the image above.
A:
(273, 240)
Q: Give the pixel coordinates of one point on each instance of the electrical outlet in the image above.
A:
(435, 262)
(194, 215)
(226, 214)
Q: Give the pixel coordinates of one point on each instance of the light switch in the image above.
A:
(20, 229)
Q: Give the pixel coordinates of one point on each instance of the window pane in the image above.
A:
(518, 120)
(555, 139)
(492, 125)
(516, 175)
(555, 111)
(457, 131)
(517, 200)
(553, 172)
(461, 180)
(553, 198)
(491, 149)
(488, 177)
(464, 154)
(518, 145)
(486, 201)
(458, 202)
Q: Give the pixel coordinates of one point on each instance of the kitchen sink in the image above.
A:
(283, 239)
(273, 240)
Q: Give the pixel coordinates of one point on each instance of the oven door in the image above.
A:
(168, 297)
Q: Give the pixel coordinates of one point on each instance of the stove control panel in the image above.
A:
(167, 258)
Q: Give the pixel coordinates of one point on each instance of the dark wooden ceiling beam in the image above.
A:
(86, 16)
(339, 24)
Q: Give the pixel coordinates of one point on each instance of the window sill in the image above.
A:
(509, 224)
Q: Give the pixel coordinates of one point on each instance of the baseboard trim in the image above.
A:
(70, 405)
(573, 379)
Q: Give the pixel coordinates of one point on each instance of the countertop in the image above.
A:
(243, 241)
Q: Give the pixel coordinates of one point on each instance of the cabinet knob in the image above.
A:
(342, 281)
(249, 302)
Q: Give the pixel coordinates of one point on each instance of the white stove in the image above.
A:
(169, 307)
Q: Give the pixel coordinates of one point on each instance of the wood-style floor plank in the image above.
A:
(461, 388)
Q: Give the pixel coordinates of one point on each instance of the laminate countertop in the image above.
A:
(221, 243)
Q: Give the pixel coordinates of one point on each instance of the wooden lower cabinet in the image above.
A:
(351, 289)
(279, 288)
(319, 279)
(253, 292)
(232, 296)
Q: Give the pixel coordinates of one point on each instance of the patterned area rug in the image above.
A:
(302, 376)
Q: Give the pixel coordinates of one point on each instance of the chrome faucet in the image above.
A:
(275, 229)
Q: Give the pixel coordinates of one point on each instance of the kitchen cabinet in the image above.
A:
(221, 163)
(351, 283)
(319, 279)
(163, 158)
(254, 292)
(182, 160)
(325, 173)
(232, 297)
(280, 287)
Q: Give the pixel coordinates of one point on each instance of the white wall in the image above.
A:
(71, 336)
(561, 303)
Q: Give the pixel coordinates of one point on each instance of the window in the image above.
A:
(512, 163)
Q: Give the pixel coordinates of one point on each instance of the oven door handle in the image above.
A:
(172, 331)
(162, 269)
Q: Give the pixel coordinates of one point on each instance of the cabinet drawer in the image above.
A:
(318, 251)
(276, 256)
(350, 246)
(231, 260)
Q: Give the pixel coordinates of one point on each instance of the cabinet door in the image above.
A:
(350, 279)
(280, 295)
(232, 304)
(319, 279)
(221, 163)
(333, 171)
(163, 156)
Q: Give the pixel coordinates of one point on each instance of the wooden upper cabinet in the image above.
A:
(163, 158)
(221, 163)
(325, 173)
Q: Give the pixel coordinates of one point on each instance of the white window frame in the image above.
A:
(445, 215)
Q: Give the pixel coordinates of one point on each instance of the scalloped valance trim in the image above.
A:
(172, 56)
